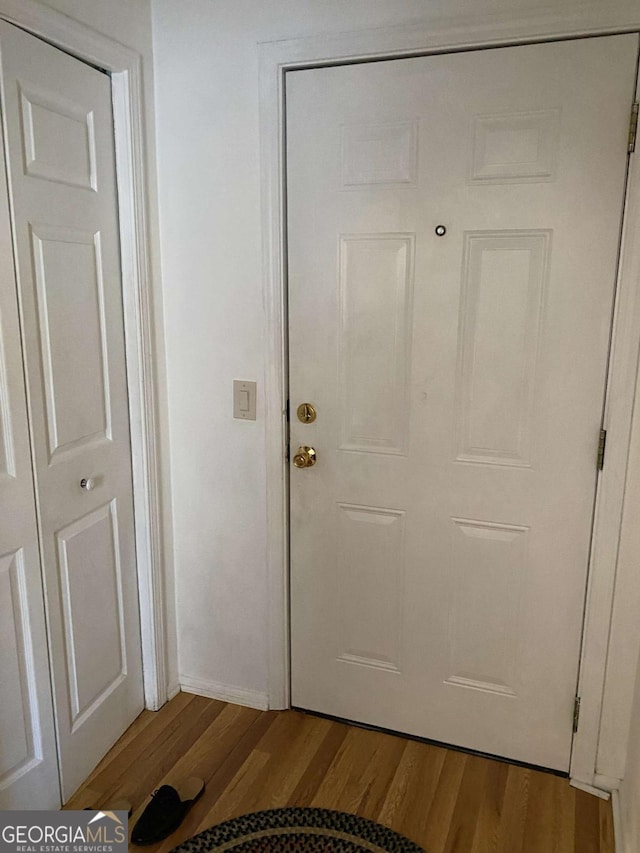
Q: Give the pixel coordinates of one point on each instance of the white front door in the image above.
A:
(453, 225)
(60, 159)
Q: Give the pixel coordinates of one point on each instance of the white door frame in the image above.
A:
(598, 669)
(125, 68)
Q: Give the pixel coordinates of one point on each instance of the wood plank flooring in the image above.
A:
(446, 801)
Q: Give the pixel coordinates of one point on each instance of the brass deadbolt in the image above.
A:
(306, 413)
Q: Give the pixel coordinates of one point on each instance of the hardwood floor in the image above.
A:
(446, 801)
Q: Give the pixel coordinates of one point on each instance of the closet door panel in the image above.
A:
(28, 761)
(62, 179)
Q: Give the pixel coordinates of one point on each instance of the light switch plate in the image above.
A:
(244, 400)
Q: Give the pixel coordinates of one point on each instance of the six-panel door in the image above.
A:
(453, 224)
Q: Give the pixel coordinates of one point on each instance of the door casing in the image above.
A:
(597, 673)
(125, 68)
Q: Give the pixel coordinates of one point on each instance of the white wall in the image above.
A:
(206, 72)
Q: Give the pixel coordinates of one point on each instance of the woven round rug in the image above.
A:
(297, 830)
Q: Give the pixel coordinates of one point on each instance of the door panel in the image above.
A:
(18, 750)
(75, 378)
(502, 296)
(453, 224)
(28, 761)
(48, 118)
(61, 164)
(92, 611)
(376, 282)
(369, 581)
(486, 556)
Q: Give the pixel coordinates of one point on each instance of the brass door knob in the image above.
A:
(305, 457)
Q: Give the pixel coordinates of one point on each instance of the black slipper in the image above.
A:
(166, 811)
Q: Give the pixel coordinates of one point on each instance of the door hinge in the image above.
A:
(633, 128)
(602, 443)
(576, 714)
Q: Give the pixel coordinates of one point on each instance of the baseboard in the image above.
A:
(618, 841)
(590, 789)
(225, 692)
(172, 690)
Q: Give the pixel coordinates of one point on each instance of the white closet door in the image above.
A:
(453, 234)
(28, 761)
(60, 153)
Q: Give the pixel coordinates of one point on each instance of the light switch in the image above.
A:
(244, 400)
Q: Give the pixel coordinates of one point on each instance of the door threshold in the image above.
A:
(369, 727)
